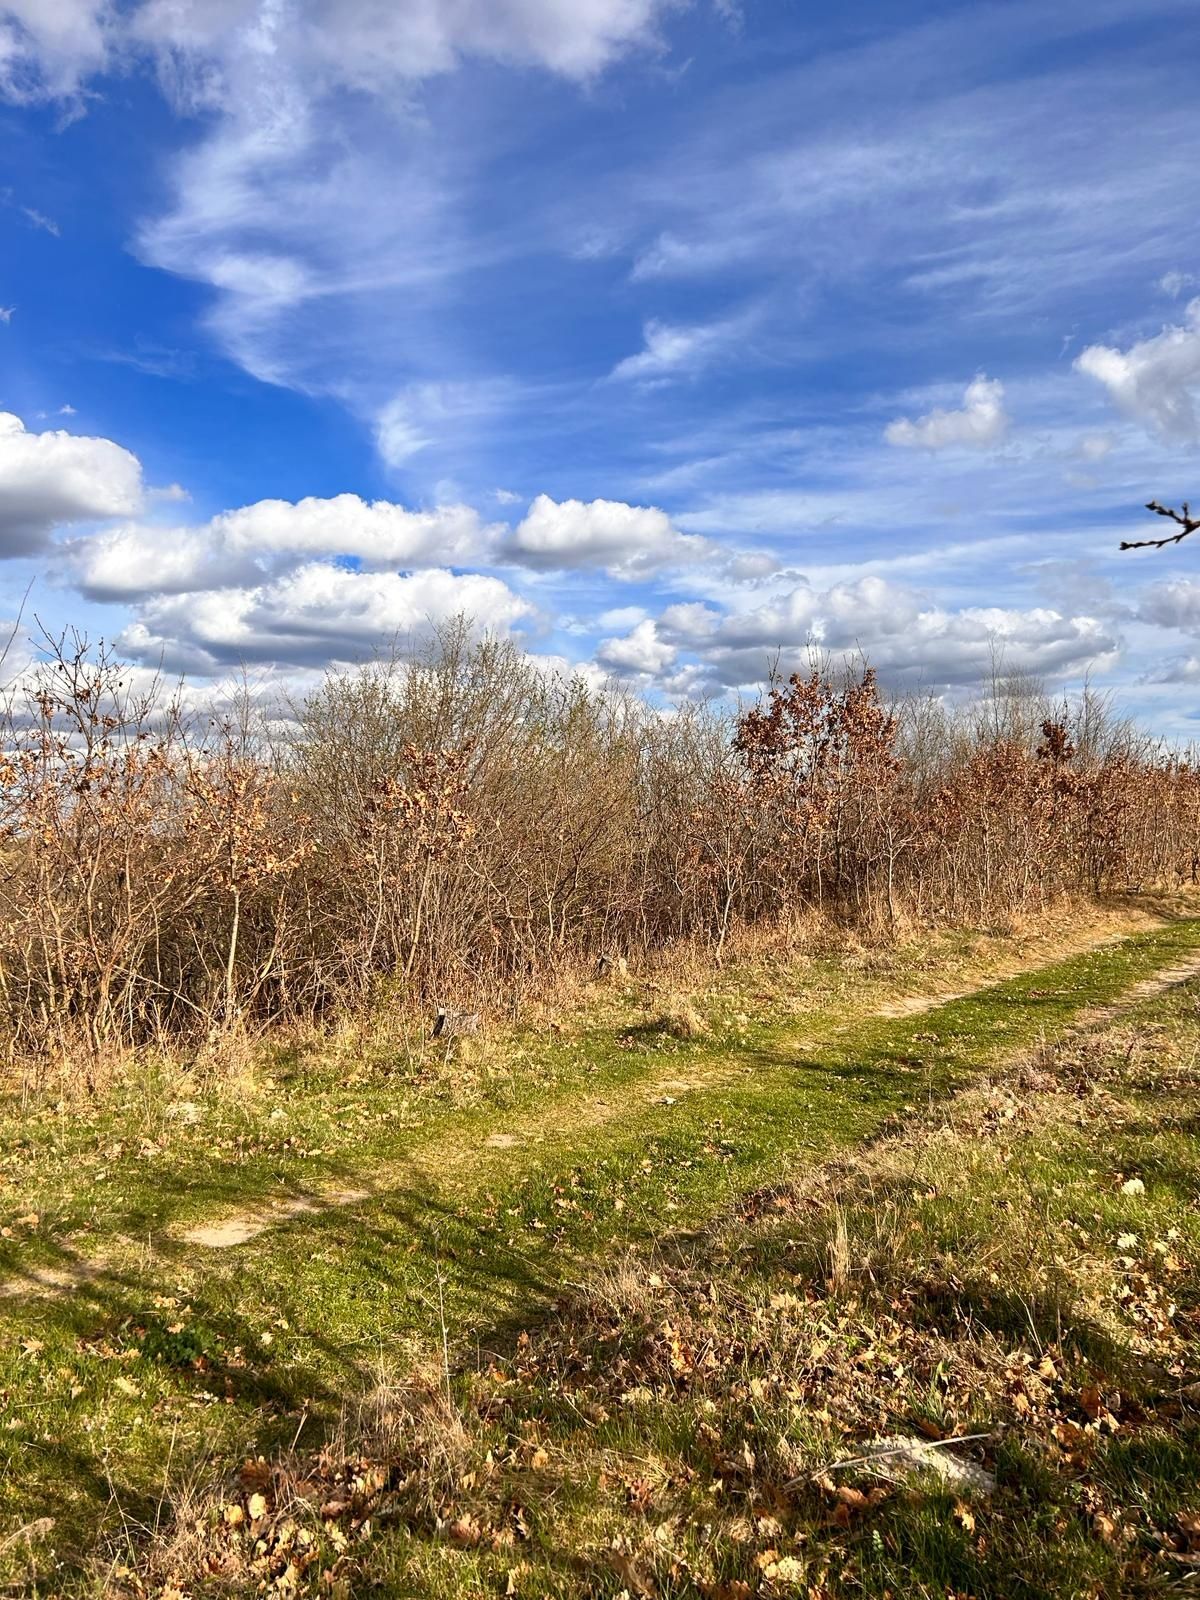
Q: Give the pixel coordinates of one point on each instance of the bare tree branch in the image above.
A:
(16, 627)
(1187, 524)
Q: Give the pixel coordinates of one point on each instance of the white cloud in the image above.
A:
(670, 350)
(641, 653)
(621, 617)
(6, 313)
(239, 547)
(908, 638)
(130, 562)
(311, 115)
(1154, 380)
(982, 422)
(429, 414)
(671, 257)
(378, 533)
(318, 614)
(49, 47)
(1174, 603)
(167, 492)
(1182, 669)
(51, 478)
(752, 566)
(369, 46)
(38, 219)
(1174, 283)
(1095, 446)
(561, 669)
(627, 541)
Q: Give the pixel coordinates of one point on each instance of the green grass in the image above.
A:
(169, 1356)
(996, 1279)
(304, 1119)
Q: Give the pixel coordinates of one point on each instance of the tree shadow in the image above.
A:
(207, 1379)
(418, 1262)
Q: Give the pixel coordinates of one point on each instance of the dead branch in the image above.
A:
(1187, 524)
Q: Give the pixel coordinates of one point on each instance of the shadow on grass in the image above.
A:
(195, 1358)
(412, 1261)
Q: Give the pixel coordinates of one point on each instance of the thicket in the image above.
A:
(467, 828)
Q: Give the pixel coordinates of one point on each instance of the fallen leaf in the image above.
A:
(254, 1475)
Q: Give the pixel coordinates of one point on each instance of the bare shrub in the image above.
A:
(465, 831)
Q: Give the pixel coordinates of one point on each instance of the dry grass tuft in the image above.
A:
(681, 1019)
(302, 1520)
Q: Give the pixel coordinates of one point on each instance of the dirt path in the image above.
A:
(592, 1111)
(447, 1154)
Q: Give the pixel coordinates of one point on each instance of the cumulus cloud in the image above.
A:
(318, 614)
(239, 547)
(1154, 381)
(752, 566)
(134, 560)
(626, 541)
(982, 422)
(1174, 603)
(898, 630)
(378, 533)
(641, 653)
(48, 479)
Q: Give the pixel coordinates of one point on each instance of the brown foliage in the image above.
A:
(465, 829)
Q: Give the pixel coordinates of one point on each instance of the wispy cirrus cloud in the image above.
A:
(696, 339)
(673, 350)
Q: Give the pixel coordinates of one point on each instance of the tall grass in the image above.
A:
(467, 828)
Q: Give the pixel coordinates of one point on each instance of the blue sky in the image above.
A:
(670, 338)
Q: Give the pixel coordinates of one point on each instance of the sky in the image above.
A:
(670, 339)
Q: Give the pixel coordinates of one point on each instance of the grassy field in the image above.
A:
(595, 1308)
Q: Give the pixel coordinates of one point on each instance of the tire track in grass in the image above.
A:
(591, 1112)
(492, 1152)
